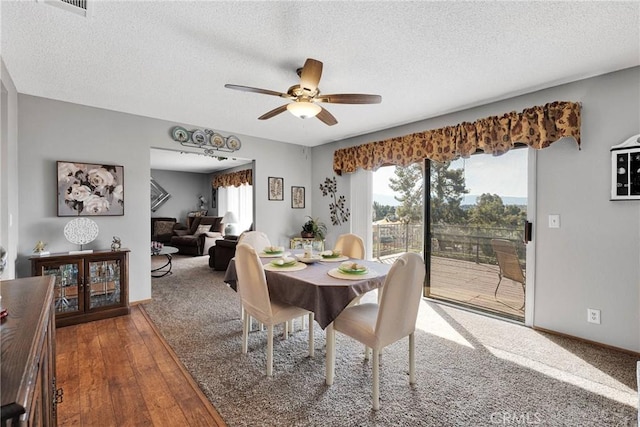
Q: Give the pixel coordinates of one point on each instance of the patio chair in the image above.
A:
(256, 301)
(508, 263)
(378, 325)
(350, 245)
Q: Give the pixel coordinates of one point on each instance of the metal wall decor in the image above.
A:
(625, 170)
(208, 140)
(338, 208)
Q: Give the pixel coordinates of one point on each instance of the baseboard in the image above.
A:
(142, 301)
(599, 344)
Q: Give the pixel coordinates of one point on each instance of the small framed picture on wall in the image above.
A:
(297, 197)
(276, 188)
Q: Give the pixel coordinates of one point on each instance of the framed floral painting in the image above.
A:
(87, 189)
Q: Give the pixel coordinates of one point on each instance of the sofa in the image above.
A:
(202, 234)
(162, 229)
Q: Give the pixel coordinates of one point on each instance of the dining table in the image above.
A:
(318, 286)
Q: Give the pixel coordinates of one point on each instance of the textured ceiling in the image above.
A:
(170, 60)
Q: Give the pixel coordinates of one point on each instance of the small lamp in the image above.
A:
(229, 219)
(304, 109)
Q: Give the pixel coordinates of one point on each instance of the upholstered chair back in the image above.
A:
(400, 299)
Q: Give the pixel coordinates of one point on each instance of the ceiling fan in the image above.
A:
(306, 96)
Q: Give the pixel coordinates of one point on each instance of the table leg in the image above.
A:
(167, 264)
(330, 359)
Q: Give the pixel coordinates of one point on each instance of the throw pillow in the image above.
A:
(202, 229)
(164, 227)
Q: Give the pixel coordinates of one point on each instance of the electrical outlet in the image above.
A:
(593, 316)
(554, 221)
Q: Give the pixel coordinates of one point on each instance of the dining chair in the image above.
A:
(256, 239)
(254, 295)
(508, 264)
(350, 245)
(378, 325)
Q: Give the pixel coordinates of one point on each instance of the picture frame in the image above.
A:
(276, 188)
(89, 189)
(625, 170)
(297, 197)
(214, 197)
(158, 195)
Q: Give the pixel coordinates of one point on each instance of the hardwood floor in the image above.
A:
(120, 372)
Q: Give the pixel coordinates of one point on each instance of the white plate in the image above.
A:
(180, 134)
(199, 137)
(233, 143)
(311, 260)
(336, 259)
(217, 140)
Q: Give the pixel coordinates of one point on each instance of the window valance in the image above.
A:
(536, 127)
(233, 179)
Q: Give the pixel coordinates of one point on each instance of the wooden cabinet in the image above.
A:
(27, 337)
(88, 286)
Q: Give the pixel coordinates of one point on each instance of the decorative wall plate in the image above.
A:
(217, 140)
(180, 134)
(81, 231)
(199, 137)
(233, 143)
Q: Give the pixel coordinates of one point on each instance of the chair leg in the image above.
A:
(286, 330)
(412, 358)
(330, 358)
(367, 351)
(376, 379)
(311, 343)
(495, 294)
(245, 332)
(269, 350)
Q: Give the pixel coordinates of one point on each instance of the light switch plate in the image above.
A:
(554, 221)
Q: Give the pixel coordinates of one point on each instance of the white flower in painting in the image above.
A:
(67, 171)
(96, 205)
(101, 178)
(79, 193)
(117, 193)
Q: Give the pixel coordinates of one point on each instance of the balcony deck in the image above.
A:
(473, 284)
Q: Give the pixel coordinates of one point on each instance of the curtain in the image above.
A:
(536, 127)
(233, 179)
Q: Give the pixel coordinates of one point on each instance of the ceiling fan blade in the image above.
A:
(350, 98)
(326, 117)
(258, 90)
(273, 112)
(310, 75)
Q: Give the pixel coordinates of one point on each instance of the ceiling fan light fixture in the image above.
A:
(304, 109)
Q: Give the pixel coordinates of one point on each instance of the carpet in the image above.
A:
(471, 370)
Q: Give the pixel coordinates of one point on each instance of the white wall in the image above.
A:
(593, 260)
(8, 170)
(52, 130)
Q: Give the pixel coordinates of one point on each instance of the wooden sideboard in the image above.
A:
(27, 339)
(88, 286)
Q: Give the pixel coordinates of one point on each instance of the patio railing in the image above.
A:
(469, 243)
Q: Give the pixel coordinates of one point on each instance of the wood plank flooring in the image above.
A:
(120, 372)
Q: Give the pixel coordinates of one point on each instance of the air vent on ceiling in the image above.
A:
(81, 7)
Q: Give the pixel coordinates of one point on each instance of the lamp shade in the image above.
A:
(229, 218)
(304, 109)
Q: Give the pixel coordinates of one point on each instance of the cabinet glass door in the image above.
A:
(66, 286)
(104, 281)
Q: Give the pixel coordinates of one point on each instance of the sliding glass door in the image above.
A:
(477, 211)
(463, 216)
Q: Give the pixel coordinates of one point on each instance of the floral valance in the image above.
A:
(233, 179)
(536, 127)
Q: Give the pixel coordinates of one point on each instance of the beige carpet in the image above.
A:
(472, 370)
